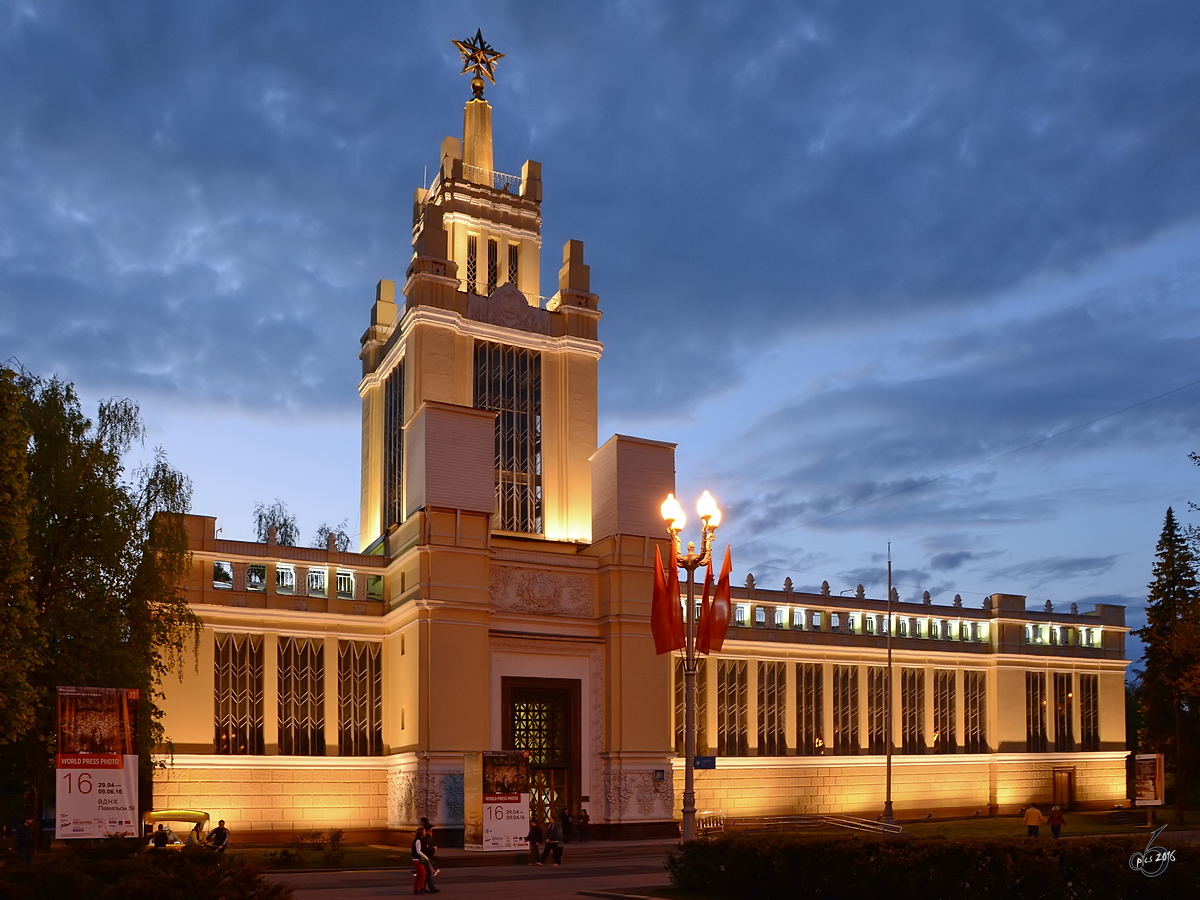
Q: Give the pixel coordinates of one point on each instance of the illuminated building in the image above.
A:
(501, 600)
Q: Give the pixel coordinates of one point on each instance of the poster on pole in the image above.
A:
(498, 783)
(96, 767)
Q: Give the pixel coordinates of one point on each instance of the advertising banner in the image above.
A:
(1149, 784)
(497, 801)
(96, 768)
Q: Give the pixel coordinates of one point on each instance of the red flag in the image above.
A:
(704, 627)
(666, 618)
(720, 613)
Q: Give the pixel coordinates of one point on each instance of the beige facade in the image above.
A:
(501, 600)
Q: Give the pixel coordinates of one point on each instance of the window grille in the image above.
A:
(472, 263)
(345, 585)
(514, 264)
(393, 447)
(798, 619)
(701, 706)
(1064, 702)
(1035, 712)
(541, 723)
(772, 694)
(493, 265)
(943, 711)
(285, 579)
(816, 621)
(238, 690)
(877, 738)
(869, 625)
(360, 699)
(809, 710)
(780, 617)
(912, 710)
(760, 617)
(316, 582)
(256, 577)
(1089, 712)
(845, 710)
(975, 712)
(835, 622)
(301, 697)
(508, 380)
(731, 708)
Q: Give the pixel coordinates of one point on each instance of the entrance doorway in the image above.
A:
(541, 717)
(1064, 787)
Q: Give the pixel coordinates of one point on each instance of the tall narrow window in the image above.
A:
(701, 706)
(393, 447)
(514, 264)
(1089, 712)
(1035, 712)
(301, 697)
(877, 738)
(912, 710)
(493, 265)
(1064, 709)
(360, 699)
(472, 264)
(238, 695)
(508, 380)
(772, 693)
(943, 711)
(975, 712)
(810, 739)
(731, 708)
(845, 710)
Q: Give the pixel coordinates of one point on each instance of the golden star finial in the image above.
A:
(479, 57)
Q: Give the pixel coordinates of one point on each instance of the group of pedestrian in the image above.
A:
(557, 833)
(19, 840)
(423, 852)
(1034, 820)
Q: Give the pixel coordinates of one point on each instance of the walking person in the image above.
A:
(535, 839)
(1056, 821)
(430, 849)
(420, 862)
(584, 821)
(1033, 818)
(565, 818)
(553, 843)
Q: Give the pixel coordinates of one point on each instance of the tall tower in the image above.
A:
(474, 332)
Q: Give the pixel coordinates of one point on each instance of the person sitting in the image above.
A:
(160, 838)
(218, 838)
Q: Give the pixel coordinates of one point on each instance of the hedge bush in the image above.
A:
(855, 868)
(120, 869)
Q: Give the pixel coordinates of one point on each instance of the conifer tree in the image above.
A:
(1172, 656)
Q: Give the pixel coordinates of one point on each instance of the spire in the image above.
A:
(478, 57)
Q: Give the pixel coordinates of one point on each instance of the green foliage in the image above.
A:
(851, 868)
(117, 871)
(341, 536)
(313, 839)
(335, 838)
(275, 515)
(20, 638)
(1170, 681)
(106, 550)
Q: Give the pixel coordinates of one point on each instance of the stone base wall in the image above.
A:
(281, 794)
(942, 785)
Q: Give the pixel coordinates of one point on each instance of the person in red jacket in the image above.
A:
(420, 861)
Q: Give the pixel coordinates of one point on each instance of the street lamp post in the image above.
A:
(888, 816)
(710, 515)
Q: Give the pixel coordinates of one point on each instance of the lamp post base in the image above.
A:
(888, 817)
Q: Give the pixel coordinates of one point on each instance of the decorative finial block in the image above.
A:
(860, 592)
(787, 585)
(824, 588)
(1049, 606)
(1074, 609)
(958, 600)
(479, 57)
(895, 595)
(926, 599)
(750, 581)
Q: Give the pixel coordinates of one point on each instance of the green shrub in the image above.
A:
(116, 870)
(309, 840)
(854, 868)
(337, 847)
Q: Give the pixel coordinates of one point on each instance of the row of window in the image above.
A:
(239, 713)
(808, 707)
(1038, 712)
(1062, 636)
(799, 619)
(315, 583)
(493, 264)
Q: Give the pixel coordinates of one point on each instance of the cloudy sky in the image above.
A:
(924, 272)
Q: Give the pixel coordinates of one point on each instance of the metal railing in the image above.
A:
(712, 822)
(500, 181)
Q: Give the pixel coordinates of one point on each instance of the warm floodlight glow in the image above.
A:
(673, 513)
(707, 507)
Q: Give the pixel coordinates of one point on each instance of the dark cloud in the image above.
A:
(1051, 568)
(950, 561)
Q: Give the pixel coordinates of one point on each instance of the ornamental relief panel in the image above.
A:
(636, 795)
(541, 593)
